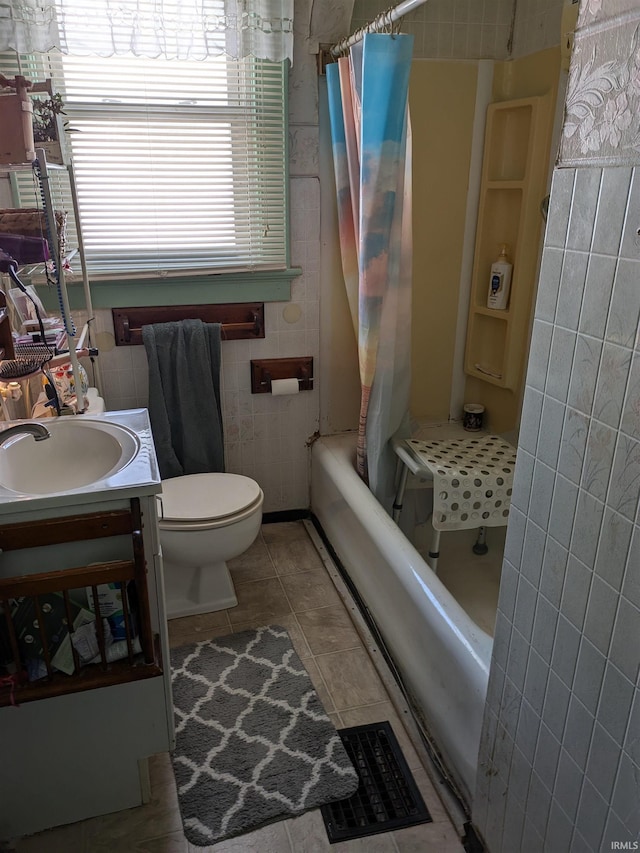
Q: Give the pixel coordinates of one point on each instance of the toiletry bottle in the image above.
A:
(500, 281)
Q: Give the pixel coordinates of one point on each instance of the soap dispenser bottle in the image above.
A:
(500, 281)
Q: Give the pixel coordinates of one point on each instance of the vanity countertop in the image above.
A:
(139, 476)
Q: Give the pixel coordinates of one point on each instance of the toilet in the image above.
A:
(205, 520)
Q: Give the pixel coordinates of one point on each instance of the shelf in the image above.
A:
(513, 184)
(45, 168)
(509, 128)
(495, 313)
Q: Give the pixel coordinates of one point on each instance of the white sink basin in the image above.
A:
(80, 452)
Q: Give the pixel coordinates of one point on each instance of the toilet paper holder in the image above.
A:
(263, 370)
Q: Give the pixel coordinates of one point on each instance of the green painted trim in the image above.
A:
(287, 177)
(209, 290)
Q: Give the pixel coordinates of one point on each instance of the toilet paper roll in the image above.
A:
(279, 387)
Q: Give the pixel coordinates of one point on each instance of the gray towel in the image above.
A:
(184, 396)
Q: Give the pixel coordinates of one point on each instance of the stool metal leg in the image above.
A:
(434, 548)
(481, 546)
(397, 503)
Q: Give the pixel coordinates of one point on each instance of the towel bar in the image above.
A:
(239, 320)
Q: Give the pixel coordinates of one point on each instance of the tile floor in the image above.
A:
(281, 580)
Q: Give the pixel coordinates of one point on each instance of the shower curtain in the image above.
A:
(371, 140)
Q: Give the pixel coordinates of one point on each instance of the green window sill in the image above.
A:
(195, 290)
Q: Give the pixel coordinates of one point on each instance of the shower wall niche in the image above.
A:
(513, 186)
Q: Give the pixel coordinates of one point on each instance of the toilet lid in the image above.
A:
(201, 497)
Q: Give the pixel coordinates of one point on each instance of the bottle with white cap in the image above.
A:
(500, 281)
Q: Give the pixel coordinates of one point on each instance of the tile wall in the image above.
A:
(537, 26)
(474, 29)
(560, 751)
(451, 29)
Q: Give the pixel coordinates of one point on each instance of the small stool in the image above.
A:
(472, 481)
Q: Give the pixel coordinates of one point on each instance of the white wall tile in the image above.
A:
(513, 824)
(615, 704)
(536, 681)
(625, 795)
(554, 564)
(630, 245)
(508, 590)
(519, 775)
(563, 507)
(559, 829)
(525, 607)
(575, 593)
(597, 295)
(582, 389)
(539, 355)
(517, 659)
(527, 731)
(565, 650)
(532, 553)
(556, 705)
(586, 528)
(631, 582)
(599, 451)
(548, 283)
(546, 758)
(573, 443)
(572, 286)
(583, 211)
(560, 363)
(630, 423)
(624, 311)
(550, 431)
(623, 652)
(541, 494)
(612, 203)
(559, 208)
(531, 416)
(615, 365)
(568, 785)
(515, 536)
(521, 481)
(592, 816)
(589, 674)
(544, 628)
(603, 762)
(623, 486)
(601, 614)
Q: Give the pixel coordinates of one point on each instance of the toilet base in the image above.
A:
(192, 590)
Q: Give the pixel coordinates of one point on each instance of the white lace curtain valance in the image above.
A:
(173, 29)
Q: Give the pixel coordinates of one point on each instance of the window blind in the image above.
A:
(180, 166)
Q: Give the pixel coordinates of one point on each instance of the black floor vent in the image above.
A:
(387, 797)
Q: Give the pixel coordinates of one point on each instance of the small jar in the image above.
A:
(473, 417)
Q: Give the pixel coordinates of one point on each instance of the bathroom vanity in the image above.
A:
(76, 745)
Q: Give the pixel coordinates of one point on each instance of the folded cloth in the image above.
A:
(184, 396)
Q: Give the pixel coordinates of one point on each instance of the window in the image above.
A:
(180, 166)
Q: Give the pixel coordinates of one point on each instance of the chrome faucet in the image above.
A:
(38, 431)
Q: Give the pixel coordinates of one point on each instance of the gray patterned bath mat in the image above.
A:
(253, 743)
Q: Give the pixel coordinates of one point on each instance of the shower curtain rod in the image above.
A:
(384, 19)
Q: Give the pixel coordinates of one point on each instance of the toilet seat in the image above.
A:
(207, 501)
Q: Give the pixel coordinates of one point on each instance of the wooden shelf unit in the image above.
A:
(56, 531)
(513, 185)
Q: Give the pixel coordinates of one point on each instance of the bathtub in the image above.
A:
(442, 655)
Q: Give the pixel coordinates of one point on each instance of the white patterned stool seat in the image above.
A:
(472, 479)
